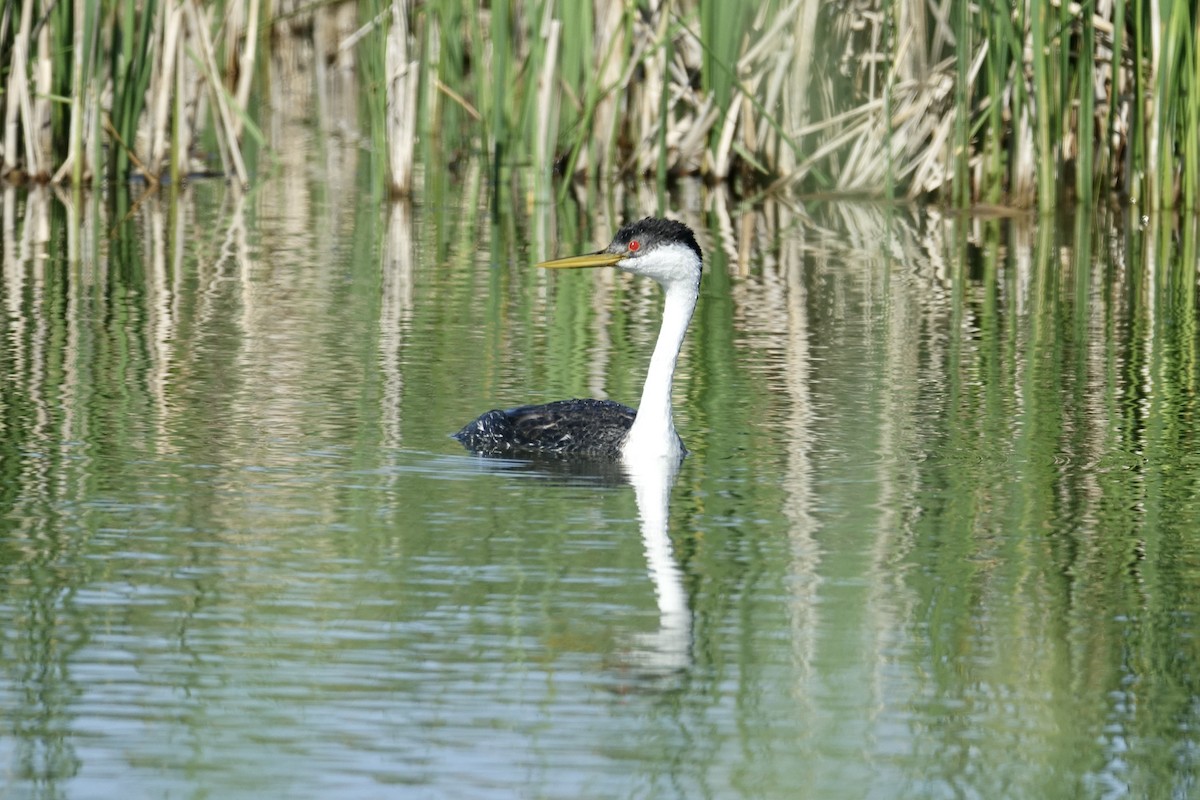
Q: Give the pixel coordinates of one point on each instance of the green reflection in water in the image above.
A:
(936, 530)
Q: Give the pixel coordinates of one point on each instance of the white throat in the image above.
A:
(653, 433)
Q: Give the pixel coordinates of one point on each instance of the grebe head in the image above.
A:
(662, 249)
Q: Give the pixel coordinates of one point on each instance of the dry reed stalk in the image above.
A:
(403, 77)
(460, 101)
(181, 138)
(547, 104)
(40, 106)
(672, 114)
(796, 64)
(162, 82)
(17, 95)
(229, 140)
(347, 43)
(610, 41)
(690, 134)
(130, 152)
(75, 161)
(718, 159)
(661, 148)
(246, 67)
(649, 107)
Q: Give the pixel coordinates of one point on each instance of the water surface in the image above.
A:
(935, 538)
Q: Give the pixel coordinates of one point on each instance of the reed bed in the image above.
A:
(1014, 102)
(124, 89)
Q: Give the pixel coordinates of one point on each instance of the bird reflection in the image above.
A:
(667, 651)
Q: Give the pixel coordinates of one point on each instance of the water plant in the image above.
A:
(123, 87)
(1015, 102)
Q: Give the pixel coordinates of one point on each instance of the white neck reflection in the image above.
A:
(669, 648)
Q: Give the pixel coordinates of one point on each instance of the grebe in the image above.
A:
(666, 251)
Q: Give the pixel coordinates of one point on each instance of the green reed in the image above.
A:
(1044, 103)
(1055, 76)
(372, 66)
(99, 87)
(1087, 96)
(960, 190)
(130, 67)
(722, 26)
(1016, 102)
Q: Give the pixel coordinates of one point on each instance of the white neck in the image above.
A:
(653, 432)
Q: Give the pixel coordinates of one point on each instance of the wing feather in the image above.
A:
(594, 428)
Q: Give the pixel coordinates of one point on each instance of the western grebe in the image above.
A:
(666, 251)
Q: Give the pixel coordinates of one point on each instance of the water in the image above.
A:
(936, 536)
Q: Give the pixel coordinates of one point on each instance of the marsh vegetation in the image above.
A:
(1017, 103)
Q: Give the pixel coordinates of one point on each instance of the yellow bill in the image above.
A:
(589, 260)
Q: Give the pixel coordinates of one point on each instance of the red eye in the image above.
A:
(634, 245)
